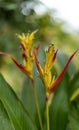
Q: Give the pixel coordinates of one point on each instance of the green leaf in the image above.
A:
(28, 96)
(5, 123)
(19, 117)
(74, 84)
(74, 116)
(59, 107)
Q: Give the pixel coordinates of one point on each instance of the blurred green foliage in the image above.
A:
(18, 16)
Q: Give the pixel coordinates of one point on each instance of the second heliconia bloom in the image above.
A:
(50, 81)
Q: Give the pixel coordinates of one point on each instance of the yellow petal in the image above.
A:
(49, 56)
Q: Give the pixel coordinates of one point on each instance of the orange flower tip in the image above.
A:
(62, 73)
(54, 57)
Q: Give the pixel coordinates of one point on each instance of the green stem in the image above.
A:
(47, 114)
(37, 106)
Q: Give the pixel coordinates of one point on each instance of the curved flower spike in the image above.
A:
(28, 54)
(45, 71)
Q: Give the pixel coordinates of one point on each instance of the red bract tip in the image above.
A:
(16, 63)
(4, 54)
(54, 57)
(36, 50)
(62, 73)
(20, 66)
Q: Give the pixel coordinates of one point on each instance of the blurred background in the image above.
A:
(56, 20)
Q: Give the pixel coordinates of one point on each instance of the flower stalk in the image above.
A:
(37, 106)
(47, 113)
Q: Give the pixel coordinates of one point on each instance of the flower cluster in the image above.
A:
(45, 72)
(26, 42)
(30, 55)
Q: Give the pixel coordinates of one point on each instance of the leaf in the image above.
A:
(5, 123)
(59, 107)
(75, 78)
(28, 96)
(74, 84)
(19, 117)
(74, 95)
(74, 116)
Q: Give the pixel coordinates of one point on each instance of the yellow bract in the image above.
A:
(49, 57)
(46, 70)
(26, 41)
(28, 64)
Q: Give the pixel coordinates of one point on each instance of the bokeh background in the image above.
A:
(18, 16)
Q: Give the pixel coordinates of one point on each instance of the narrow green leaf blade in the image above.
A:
(74, 115)
(5, 123)
(59, 108)
(20, 118)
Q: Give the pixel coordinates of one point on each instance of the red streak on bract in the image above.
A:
(38, 66)
(16, 63)
(4, 54)
(62, 73)
(35, 52)
(54, 57)
(23, 47)
(20, 66)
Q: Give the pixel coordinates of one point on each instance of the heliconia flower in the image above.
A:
(27, 40)
(28, 54)
(45, 71)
